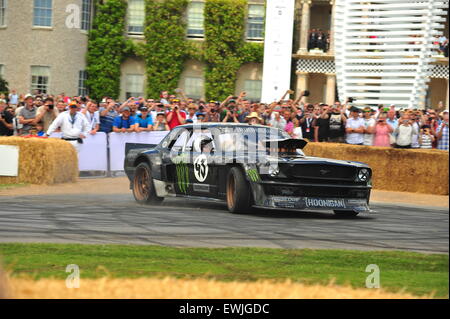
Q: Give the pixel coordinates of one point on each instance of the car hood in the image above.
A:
(318, 160)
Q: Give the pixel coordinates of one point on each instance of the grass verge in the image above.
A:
(8, 186)
(418, 274)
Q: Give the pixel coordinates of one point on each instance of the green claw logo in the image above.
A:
(253, 175)
(182, 173)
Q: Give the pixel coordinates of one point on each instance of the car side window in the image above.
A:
(180, 142)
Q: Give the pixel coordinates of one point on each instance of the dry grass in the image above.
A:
(43, 161)
(169, 288)
(415, 171)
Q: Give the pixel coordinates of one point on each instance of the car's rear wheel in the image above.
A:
(345, 213)
(143, 187)
(239, 197)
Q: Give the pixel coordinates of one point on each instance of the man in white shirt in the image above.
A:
(93, 116)
(355, 128)
(74, 126)
(369, 125)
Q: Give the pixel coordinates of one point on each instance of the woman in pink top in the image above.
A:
(382, 131)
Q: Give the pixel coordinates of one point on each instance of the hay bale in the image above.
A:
(43, 161)
(403, 170)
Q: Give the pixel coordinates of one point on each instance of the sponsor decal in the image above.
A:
(201, 168)
(201, 188)
(253, 175)
(332, 203)
(182, 171)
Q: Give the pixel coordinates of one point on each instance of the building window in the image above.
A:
(136, 16)
(82, 77)
(2, 12)
(86, 15)
(134, 85)
(253, 89)
(195, 20)
(255, 22)
(40, 76)
(193, 87)
(42, 14)
(2, 70)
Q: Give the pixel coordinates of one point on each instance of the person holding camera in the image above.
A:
(46, 113)
(426, 139)
(382, 131)
(176, 116)
(405, 132)
(108, 112)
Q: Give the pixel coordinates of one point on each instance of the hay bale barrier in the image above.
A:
(43, 161)
(402, 170)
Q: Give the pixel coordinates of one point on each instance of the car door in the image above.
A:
(202, 168)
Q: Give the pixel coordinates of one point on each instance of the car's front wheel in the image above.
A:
(143, 187)
(239, 197)
(345, 213)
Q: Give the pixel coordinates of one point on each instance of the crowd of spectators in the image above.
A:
(318, 39)
(386, 126)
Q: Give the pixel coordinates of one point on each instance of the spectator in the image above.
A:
(191, 115)
(405, 132)
(307, 123)
(40, 129)
(297, 131)
(337, 122)
(124, 123)
(382, 131)
(322, 125)
(230, 111)
(213, 112)
(201, 118)
(176, 117)
(73, 124)
(442, 133)
(46, 113)
(158, 108)
(426, 139)
(392, 121)
(253, 119)
(13, 98)
(108, 112)
(144, 122)
(93, 117)
(164, 97)
(278, 121)
(6, 120)
(27, 116)
(61, 106)
(161, 123)
(415, 122)
(355, 128)
(369, 127)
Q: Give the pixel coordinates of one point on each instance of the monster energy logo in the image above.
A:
(253, 175)
(182, 173)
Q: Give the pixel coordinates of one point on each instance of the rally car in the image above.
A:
(249, 167)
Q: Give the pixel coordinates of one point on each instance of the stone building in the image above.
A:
(45, 43)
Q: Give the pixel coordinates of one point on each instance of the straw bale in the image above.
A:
(403, 170)
(43, 161)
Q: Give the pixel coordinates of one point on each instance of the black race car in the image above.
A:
(248, 166)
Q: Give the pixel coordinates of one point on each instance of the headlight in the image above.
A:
(363, 175)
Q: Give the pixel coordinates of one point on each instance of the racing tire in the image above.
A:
(239, 197)
(143, 187)
(345, 213)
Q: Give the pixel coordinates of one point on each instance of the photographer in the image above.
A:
(426, 139)
(46, 113)
(212, 112)
(405, 132)
(6, 120)
(176, 116)
(108, 112)
(230, 112)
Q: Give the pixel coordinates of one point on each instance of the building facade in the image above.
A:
(45, 45)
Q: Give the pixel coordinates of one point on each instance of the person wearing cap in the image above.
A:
(144, 121)
(156, 109)
(201, 118)
(27, 115)
(161, 123)
(355, 127)
(253, 118)
(74, 125)
(124, 123)
(369, 126)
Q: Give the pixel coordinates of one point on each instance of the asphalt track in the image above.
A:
(114, 219)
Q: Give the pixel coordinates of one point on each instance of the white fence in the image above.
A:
(94, 156)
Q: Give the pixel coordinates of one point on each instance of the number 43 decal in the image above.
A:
(201, 168)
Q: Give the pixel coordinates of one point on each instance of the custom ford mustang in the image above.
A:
(249, 167)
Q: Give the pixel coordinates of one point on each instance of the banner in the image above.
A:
(93, 154)
(277, 49)
(117, 143)
(10, 160)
